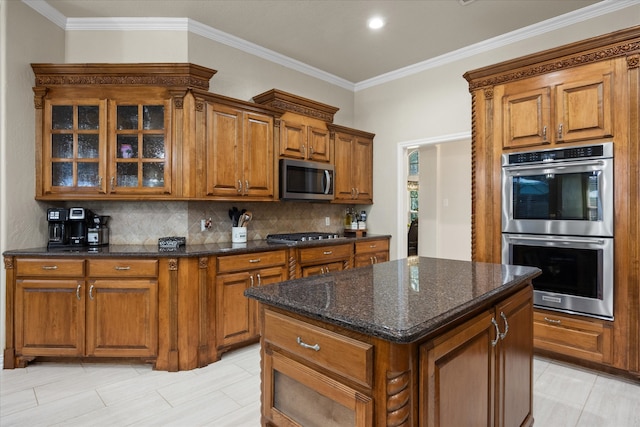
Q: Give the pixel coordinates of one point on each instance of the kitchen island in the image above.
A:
(417, 341)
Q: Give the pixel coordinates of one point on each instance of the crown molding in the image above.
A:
(195, 27)
(589, 12)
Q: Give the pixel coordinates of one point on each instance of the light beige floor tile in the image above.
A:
(248, 416)
(18, 401)
(566, 384)
(55, 412)
(612, 403)
(244, 392)
(548, 411)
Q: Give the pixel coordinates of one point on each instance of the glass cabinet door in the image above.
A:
(75, 135)
(140, 147)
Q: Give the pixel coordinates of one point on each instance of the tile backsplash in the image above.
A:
(144, 222)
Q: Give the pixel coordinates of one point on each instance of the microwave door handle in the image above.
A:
(327, 181)
(546, 239)
(558, 166)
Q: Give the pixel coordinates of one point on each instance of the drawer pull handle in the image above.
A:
(373, 246)
(552, 321)
(315, 347)
(495, 325)
(49, 267)
(253, 261)
(506, 326)
(327, 252)
(119, 268)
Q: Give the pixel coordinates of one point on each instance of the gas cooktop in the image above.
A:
(301, 237)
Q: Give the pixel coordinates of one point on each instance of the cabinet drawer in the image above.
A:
(49, 267)
(322, 253)
(251, 261)
(585, 339)
(123, 268)
(372, 246)
(320, 347)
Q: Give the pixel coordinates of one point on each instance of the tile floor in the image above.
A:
(227, 393)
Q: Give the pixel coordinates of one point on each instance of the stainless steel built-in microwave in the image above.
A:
(304, 180)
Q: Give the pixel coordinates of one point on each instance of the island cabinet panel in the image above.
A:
(491, 352)
(296, 392)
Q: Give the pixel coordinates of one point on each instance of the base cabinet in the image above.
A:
(371, 252)
(582, 338)
(491, 352)
(236, 320)
(474, 373)
(108, 309)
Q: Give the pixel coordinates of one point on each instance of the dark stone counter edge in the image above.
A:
(429, 327)
(207, 249)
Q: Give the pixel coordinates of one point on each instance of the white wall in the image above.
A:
(436, 103)
(26, 37)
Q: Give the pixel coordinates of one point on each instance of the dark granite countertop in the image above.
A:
(152, 251)
(400, 301)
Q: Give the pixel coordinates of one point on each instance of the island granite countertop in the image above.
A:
(399, 301)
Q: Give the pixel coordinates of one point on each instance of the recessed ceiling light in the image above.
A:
(375, 23)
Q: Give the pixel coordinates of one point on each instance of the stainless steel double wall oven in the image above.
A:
(557, 214)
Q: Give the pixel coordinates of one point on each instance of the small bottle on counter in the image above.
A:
(362, 224)
(347, 219)
(354, 221)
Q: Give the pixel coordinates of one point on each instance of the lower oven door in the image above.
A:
(577, 272)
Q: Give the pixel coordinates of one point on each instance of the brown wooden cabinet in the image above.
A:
(303, 138)
(236, 316)
(369, 252)
(111, 311)
(582, 93)
(353, 165)
(590, 339)
(239, 153)
(105, 131)
(324, 259)
(551, 109)
(491, 352)
(295, 393)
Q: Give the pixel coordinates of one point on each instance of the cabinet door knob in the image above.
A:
(544, 133)
(78, 292)
(239, 186)
(91, 292)
(259, 279)
(246, 186)
(251, 279)
(560, 131)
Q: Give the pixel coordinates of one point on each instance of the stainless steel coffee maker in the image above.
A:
(98, 233)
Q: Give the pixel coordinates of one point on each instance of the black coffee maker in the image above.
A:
(78, 226)
(58, 227)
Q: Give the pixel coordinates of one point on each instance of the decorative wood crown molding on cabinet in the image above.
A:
(296, 104)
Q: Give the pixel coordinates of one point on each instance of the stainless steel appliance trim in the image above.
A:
(327, 190)
(561, 227)
(598, 308)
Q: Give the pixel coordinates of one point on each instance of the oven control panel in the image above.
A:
(598, 151)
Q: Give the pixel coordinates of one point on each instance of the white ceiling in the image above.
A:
(331, 36)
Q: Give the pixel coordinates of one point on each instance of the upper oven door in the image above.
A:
(562, 198)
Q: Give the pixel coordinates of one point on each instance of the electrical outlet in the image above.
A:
(327, 220)
(203, 224)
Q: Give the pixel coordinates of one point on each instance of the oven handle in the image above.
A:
(546, 239)
(558, 166)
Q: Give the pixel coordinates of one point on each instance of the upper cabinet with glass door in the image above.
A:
(105, 131)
